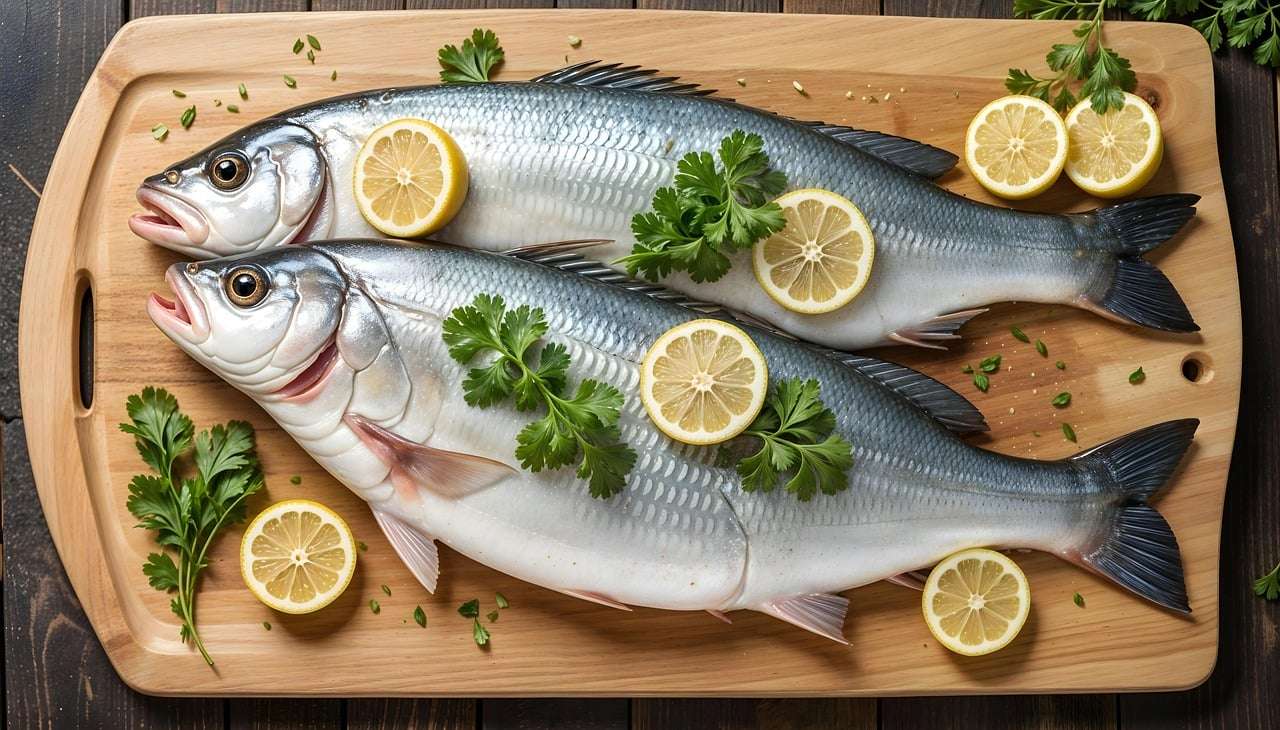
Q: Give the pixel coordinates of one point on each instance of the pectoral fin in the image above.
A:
(447, 473)
(599, 598)
(821, 613)
(418, 551)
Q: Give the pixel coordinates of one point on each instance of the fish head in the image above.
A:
(261, 187)
(265, 322)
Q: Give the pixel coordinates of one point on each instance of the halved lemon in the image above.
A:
(703, 382)
(821, 258)
(1114, 154)
(410, 178)
(1016, 146)
(297, 556)
(976, 601)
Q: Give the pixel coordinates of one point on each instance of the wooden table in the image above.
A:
(56, 674)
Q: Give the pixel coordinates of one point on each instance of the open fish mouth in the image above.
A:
(184, 317)
(169, 222)
(311, 380)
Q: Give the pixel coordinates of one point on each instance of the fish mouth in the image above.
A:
(308, 383)
(169, 222)
(182, 318)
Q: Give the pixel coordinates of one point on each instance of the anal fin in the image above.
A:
(821, 613)
(720, 615)
(599, 598)
(418, 551)
(940, 328)
(914, 580)
(447, 473)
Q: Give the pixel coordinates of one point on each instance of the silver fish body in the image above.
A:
(344, 350)
(557, 161)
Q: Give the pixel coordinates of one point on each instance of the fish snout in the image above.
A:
(184, 318)
(170, 221)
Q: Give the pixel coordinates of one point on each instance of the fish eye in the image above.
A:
(245, 286)
(229, 170)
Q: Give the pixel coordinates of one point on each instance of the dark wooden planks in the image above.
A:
(394, 714)
(562, 714)
(737, 714)
(1241, 692)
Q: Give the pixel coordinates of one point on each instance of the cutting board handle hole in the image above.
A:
(1197, 368)
(84, 345)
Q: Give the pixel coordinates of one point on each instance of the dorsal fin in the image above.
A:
(617, 76)
(945, 405)
(908, 154)
(914, 157)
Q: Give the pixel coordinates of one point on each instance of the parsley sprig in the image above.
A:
(473, 63)
(186, 513)
(795, 430)
(710, 211)
(1268, 586)
(1244, 22)
(585, 424)
(1104, 73)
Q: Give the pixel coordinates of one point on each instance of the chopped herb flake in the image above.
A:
(420, 617)
(334, 76)
(159, 132)
(311, 41)
(375, 606)
(990, 364)
(470, 609)
(1137, 376)
(233, 108)
(1069, 432)
(967, 369)
(361, 546)
(501, 600)
(1061, 400)
(244, 93)
(1268, 586)
(386, 589)
(297, 46)
(1060, 365)
(311, 56)
(492, 615)
(217, 102)
(981, 382)
(1077, 599)
(1040, 348)
(291, 82)
(1019, 334)
(179, 94)
(479, 633)
(295, 479)
(188, 117)
(266, 625)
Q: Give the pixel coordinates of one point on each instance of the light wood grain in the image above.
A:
(82, 463)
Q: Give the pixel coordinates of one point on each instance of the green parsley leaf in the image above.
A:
(501, 600)
(1077, 599)
(375, 606)
(1068, 432)
(179, 94)
(290, 81)
(1137, 376)
(474, 62)
(492, 615)
(159, 132)
(244, 92)
(470, 609)
(1104, 73)
(582, 427)
(479, 633)
(420, 616)
(295, 479)
(1019, 334)
(981, 382)
(796, 433)
(186, 513)
(334, 76)
(1061, 400)
(266, 625)
(386, 589)
(313, 42)
(361, 546)
(990, 364)
(297, 46)
(188, 117)
(1060, 365)
(711, 211)
(1268, 586)
(311, 56)
(1042, 349)
(233, 108)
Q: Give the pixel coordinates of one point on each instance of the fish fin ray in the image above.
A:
(913, 156)
(448, 473)
(1143, 224)
(535, 252)
(1141, 294)
(935, 398)
(913, 579)
(596, 597)
(942, 327)
(1138, 549)
(417, 551)
(720, 615)
(574, 263)
(907, 339)
(602, 75)
(821, 613)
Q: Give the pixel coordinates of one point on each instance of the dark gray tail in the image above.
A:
(1139, 292)
(1137, 549)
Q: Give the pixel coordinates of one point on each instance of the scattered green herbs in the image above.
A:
(990, 364)
(361, 546)
(334, 76)
(1246, 23)
(474, 62)
(1042, 348)
(159, 132)
(471, 610)
(1068, 432)
(1077, 599)
(244, 92)
(1060, 365)
(179, 94)
(313, 42)
(585, 425)
(710, 212)
(290, 81)
(1061, 400)
(386, 589)
(298, 46)
(479, 633)
(1137, 376)
(1268, 586)
(1018, 334)
(188, 117)
(492, 615)
(375, 606)
(311, 56)
(232, 108)
(266, 625)
(1105, 74)
(967, 369)
(796, 434)
(501, 600)
(295, 479)
(420, 616)
(981, 382)
(186, 513)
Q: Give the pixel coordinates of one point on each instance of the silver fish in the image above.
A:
(575, 153)
(340, 342)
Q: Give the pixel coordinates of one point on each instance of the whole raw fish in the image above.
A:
(341, 343)
(577, 152)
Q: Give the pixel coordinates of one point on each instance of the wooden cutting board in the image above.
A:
(928, 77)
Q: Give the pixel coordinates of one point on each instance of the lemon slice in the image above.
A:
(297, 556)
(703, 382)
(976, 601)
(1114, 154)
(1016, 146)
(821, 258)
(410, 178)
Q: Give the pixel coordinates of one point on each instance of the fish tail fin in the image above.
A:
(1135, 546)
(1138, 291)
